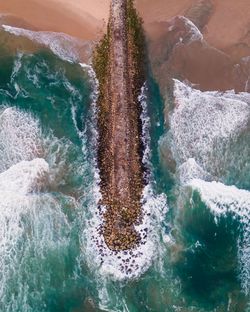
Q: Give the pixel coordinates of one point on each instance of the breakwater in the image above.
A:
(119, 64)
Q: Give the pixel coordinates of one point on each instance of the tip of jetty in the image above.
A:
(120, 68)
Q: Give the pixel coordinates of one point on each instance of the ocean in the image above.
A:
(196, 255)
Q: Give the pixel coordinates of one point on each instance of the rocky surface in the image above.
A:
(120, 131)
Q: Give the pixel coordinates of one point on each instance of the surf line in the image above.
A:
(119, 63)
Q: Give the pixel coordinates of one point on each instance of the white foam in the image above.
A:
(17, 66)
(191, 170)
(145, 120)
(25, 217)
(192, 32)
(123, 265)
(24, 177)
(130, 264)
(21, 140)
(223, 200)
(92, 120)
(32, 224)
(208, 138)
(206, 126)
(246, 59)
(64, 46)
(20, 137)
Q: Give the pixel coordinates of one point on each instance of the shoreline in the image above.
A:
(83, 19)
(225, 29)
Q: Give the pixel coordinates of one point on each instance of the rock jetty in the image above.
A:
(119, 64)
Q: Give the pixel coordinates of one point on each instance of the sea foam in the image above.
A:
(223, 200)
(209, 140)
(212, 128)
(24, 177)
(32, 222)
(191, 170)
(20, 137)
(31, 226)
(124, 265)
(64, 46)
(186, 27)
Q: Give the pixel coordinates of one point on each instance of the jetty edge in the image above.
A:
(119, 63)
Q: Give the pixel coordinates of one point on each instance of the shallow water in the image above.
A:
(196, 258)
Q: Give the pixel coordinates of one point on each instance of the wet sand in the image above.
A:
(227, 28)
(217, 61)
(228, 24)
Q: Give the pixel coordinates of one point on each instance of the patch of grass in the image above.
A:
(136, 40)
(101, 65)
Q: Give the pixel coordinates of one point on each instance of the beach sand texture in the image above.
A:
(79, 18)
(228, 25)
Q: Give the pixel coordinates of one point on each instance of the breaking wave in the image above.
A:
(224, 201)
(32, 223)
(64, 46)
(18, 127)
(209, 141)
(49, 183)
(123, 266)
(212, 128)
(192, 31)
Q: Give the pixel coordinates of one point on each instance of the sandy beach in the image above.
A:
(79, 18)
(228, 24)
(218, 62)
(224, 24)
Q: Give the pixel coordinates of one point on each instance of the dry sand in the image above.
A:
(80, 18)
(229, 23)
(225, 25)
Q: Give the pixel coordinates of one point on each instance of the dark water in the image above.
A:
(46, 119)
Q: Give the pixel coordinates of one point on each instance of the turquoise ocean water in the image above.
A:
(196, 260)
